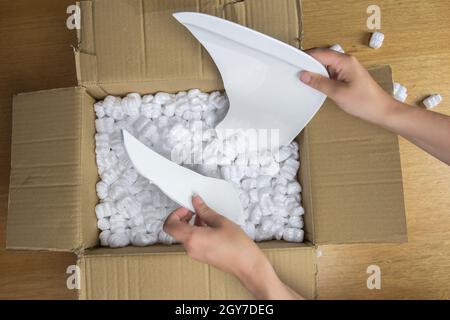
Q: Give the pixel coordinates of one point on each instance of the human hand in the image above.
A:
(350, 86)
(354, 90)
(215, 240)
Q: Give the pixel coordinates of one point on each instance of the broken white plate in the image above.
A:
(260, 75)
(179, 183)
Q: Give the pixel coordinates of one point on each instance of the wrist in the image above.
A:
(260, 279)
(388, 111)
(392, 111)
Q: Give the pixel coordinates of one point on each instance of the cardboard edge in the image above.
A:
(44, 91)
(304, 174)
(85, 35)
(235, 11)
(178, 250)
(76, 54)
(79, 90)
(83, 258)
(25, 248)
(403, 237)
(86, 69)
(301, 31)
(86, 66)
(393, 238)
(81, 293)
(88, 232)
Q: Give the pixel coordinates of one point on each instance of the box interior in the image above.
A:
(178, 61)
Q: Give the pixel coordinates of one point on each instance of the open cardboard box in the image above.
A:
(350, 170)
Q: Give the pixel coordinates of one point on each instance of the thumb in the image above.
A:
(321, 83)
(206, 214)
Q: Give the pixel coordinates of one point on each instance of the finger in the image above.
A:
(206, 214)
(198, 221)
(182, 214)
(326, 57)
(187, 217)
(321, 83)
(176, 224)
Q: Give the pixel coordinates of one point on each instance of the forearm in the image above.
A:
(263, 283)
(428, 130)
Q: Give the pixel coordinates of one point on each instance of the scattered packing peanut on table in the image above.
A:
(337, 47)
(432, 101)
(400, 92)
(376, 40)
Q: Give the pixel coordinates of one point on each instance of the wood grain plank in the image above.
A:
(417, 48)
(35, 54)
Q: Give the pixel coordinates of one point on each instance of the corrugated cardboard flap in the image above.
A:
(143, 273)
(53, 173)
(137, 45)
(355, 177)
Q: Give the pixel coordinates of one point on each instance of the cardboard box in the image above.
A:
(350, 170)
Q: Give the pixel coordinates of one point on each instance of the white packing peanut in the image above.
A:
(134, 230)
(293, 235)
(105, 124)
(193, 93)
(102, 189)
(249, 229)
(400, 92)
(249, 183)
(169, 109)
(118, 240)
(245, 199)
(143, 239)
(104, 209)
(260, 235)
(118, 226)
(104, 238)
(293, 188)
(154, 226)
(337, 47)
(110, 176)
(263, 181)
(256, 214)
(252, 171)
(147, 98)
(253, 195)
(270, 169)
(297, 211)
(99, 110)
(281, 189)
(295, 222)
(165, 238)
(118, 191)
(162, 98)
(131, 104)
(432, 101)
(283, 153)
(103, 224)
(376, 40)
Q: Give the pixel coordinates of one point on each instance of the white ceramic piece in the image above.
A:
(260, 75)
(179, 183)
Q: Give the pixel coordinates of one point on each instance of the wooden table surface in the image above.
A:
(35, 53)
(418, 49)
